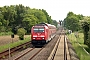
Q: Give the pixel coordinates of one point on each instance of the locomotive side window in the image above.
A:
(38, 29)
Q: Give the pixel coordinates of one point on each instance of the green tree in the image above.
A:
(54, 22)
(85, 26)
(40, 15)
(88, 40)
(72, 23)
(29, 21)
(1, 18)
(48, 18)
(19, 16)
(3, 22)
(12, 15)
(20, 9)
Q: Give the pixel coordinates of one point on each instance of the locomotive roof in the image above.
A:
(40, 25)
(45, 24)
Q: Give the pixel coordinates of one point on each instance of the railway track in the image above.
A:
(12, 50)
(28, 54)
(60, 50)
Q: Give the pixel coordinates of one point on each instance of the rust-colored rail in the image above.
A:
(51, 57)
(35, 54)
(12, 50)
(20, 57)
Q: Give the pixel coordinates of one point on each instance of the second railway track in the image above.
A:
(28, 54)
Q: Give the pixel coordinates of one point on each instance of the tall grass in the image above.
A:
(5, 33)
(79, 49)
(11, 45)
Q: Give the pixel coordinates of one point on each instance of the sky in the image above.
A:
(57, 9)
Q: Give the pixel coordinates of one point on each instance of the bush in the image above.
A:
(21, 32)
(88, 40)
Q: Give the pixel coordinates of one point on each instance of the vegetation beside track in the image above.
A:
(5, 33)
(79, 46)
(14, 44)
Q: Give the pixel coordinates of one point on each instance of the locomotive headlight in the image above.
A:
(33, 38)
(42, 38)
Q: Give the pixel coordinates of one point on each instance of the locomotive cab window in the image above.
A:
(41, 29)
(35, 29)
(38, 29)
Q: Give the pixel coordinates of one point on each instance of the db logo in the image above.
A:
(38, 33)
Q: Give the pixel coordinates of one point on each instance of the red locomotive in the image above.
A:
(42, 33)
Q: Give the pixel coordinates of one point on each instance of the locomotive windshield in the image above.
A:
(38, 29)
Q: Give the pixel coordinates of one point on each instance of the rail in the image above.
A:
(12, 50)
(65, 52)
